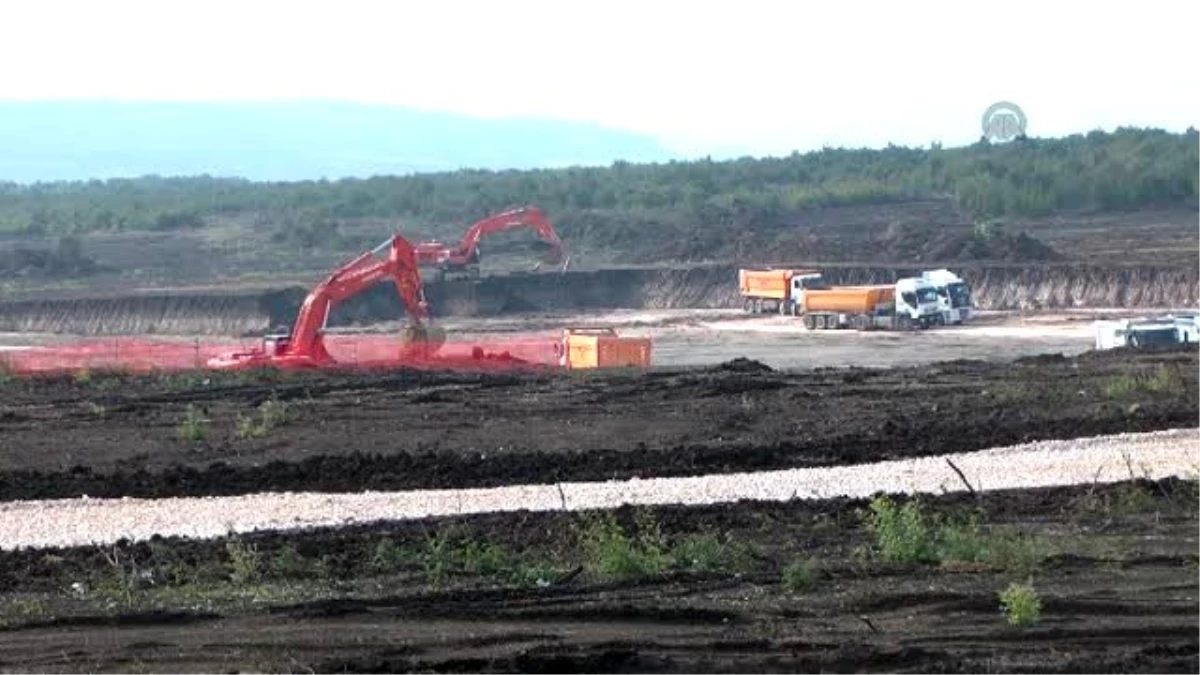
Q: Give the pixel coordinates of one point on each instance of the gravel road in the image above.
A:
(1099, 459)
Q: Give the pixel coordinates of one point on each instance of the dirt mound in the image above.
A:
(744, 365)
(1001, 248)
(925, 243)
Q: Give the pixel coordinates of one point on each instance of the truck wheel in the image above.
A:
(904, 322)
(810, 322)
(748, 305)
(860, 322)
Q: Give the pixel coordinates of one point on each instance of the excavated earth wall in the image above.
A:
(1001, 287)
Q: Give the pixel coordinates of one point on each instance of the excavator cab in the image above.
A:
(276, 343)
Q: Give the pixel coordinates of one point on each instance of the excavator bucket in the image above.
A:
(422, 341)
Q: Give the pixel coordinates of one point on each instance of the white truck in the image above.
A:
(908, 303)
(1170, 329)
(954, 295)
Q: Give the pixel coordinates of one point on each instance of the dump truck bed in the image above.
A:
(773, 284)
(848, 299)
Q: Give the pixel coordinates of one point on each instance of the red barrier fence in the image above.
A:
(132, 354)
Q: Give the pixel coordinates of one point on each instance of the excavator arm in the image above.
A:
(395, 259)
(525, 217)
(466, 253)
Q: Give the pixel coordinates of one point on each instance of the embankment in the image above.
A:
(1002, 287)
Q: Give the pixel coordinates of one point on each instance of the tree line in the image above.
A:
(1124, 169)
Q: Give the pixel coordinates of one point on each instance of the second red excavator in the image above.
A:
(464, 257)
(304, 347)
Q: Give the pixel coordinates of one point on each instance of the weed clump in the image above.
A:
(1021, 604)
(907, 534)
(194, 426)
(271, 414)
(612, 554)
(799, 576)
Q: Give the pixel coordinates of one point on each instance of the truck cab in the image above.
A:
(917, 299)
(954, 295)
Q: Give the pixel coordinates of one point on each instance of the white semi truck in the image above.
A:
(954, 295)
(909, 303)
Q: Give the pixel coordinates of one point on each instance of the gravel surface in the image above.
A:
(1100, 459)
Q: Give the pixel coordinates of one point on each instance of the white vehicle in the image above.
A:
(1135, 333)
(954, 295)
(908, 303)
(917, 298)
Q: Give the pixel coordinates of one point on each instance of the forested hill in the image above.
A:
(286, 140)
(622, 205)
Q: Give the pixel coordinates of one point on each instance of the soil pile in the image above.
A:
(922, 243)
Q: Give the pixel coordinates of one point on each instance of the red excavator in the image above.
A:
(465, 256)
(304, 347)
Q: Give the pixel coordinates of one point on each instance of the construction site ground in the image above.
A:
(753, 587)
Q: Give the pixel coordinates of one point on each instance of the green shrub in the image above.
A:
(798, 576)
(1021, 604)
(902, 534)
(194, 426)
(612, 554)
(245, 562)
(707, 553)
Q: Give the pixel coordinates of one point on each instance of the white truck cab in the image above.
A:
(954, 295)
(917, 299)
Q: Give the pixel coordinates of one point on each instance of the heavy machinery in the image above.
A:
(465, 256)
(1147, 332)
(909, 303)
(586, 347)
(304, 346)
(954, 295)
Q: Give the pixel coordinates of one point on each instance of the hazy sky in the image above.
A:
(731, 76)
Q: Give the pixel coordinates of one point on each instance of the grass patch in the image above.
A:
(271, 414)
(799, 576)
(1021, 604)
(194, 426)
(450, 553)
(1126, 500)
(1161, 381)
(908, 534)
(709, 553)
(245, 562)
(612, 554)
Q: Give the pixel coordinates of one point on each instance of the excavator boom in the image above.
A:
(466, 253)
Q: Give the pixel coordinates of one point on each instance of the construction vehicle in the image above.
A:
(586, 348)
(465, 256)
(1147, 332)
(909, 303)
(954, 295)
(304, 346)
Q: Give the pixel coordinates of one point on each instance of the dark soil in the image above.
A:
(120, 436)
(1117, 580)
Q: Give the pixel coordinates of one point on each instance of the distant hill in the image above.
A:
(283, 141)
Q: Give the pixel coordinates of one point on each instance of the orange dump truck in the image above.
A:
(583, 348)
(907, 303)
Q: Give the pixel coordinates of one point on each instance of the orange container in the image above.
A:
(774, 284)
(848, 299)
(605, 349)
